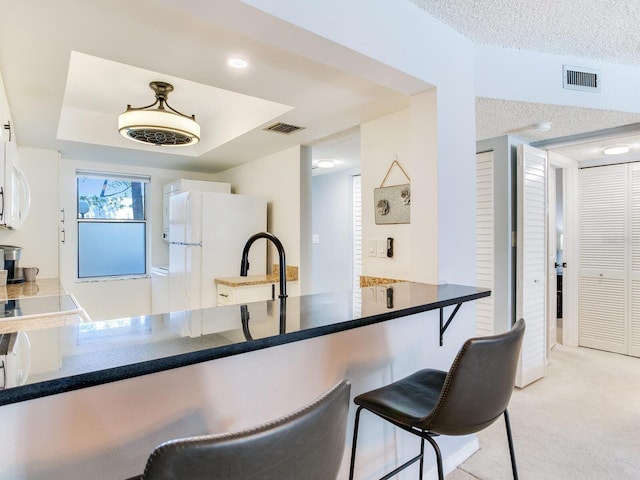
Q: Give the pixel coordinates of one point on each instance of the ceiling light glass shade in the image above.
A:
(237, 63)
(326, 164)
(616, 150)
(159, 126)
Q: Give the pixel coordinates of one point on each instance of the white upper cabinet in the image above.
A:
(15, 195)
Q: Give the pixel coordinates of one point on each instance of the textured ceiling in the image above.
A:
(600, 29)
(605, 30)
(495, 117)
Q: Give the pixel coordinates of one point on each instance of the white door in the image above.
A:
(532, 261)
(485, 242)
(634, 316)
(604, 223)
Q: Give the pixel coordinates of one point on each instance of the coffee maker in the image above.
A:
(11, 259)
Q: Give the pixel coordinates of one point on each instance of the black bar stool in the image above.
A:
(467, 399)
(308, 443)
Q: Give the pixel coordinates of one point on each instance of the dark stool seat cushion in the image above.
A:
(408, 401)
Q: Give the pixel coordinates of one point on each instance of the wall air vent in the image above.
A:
(283, 128)
(578, 78)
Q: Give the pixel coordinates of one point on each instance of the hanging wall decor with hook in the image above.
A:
(393, 203)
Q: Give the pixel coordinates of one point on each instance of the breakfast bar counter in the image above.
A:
(99, 352)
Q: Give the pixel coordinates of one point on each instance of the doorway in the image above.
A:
(556, 239)
(335, 196)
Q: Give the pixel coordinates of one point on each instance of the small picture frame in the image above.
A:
(392, 204)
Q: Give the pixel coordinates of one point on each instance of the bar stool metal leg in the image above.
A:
(353, 444)
(421, 457)
(512, 452)
(438, 456)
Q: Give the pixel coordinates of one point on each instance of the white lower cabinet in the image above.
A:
(159, 290)
(228, 295)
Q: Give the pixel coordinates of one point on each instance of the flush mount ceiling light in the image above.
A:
(161, 125)
(616, 149)
(326, 164)
(238, 63)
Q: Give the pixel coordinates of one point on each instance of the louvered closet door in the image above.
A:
(604, 223)
(532, 262)
(634, 323)
(484, 241)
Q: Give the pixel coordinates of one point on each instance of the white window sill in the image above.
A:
(112, 279)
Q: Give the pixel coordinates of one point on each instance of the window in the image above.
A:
(112, 224)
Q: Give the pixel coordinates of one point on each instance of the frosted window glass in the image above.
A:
(111, 248)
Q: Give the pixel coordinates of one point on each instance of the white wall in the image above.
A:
(409, 136)
(528, 76)
(278, 178)
(332, 266)
(38, 236)
(381, 142)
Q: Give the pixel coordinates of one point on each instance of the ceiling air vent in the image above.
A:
(283, 128)
(578, 78)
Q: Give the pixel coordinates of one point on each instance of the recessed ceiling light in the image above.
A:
(326, 164)
(237, 63)
(616, 149)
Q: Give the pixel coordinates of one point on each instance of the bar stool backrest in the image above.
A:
(308, 443)
(479, 384)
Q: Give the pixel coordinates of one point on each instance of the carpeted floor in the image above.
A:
(582, 421)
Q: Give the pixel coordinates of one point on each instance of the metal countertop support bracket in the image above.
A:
(444, 326)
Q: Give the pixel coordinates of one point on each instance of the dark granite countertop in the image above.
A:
(95, 353)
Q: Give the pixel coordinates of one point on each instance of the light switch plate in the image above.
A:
(382, 248)
(370, 294)
(371, 248)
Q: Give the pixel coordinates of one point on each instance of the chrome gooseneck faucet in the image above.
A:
(282, 268)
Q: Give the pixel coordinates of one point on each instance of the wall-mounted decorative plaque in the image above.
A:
(393, 203)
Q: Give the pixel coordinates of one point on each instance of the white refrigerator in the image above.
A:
(207, 232)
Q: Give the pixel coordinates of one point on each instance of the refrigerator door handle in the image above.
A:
(186, 234)
(187, 251)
